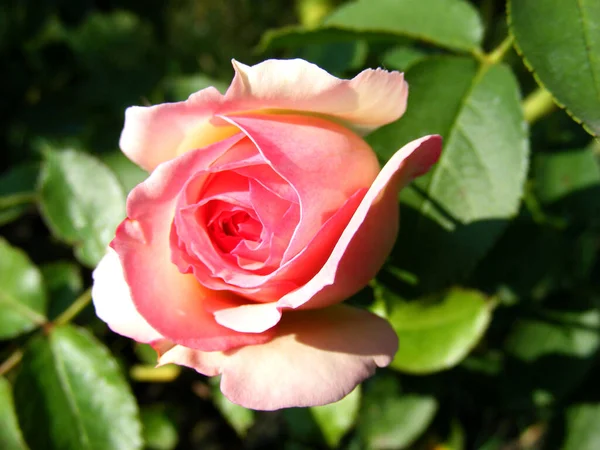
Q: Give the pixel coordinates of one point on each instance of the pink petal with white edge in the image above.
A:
(311, 153)
(369, 237)
(251, 318)
(173, 303)
(159, 133)
(316, 358)
(113, 303)
(154, 134)
(371, 99)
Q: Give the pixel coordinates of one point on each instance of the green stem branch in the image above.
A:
(68, 314)
(75, 308)
(9, 363)
(498, 54)
(22, 198)
(538, 104)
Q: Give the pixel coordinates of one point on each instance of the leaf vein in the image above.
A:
(63, 379)
(588, 48)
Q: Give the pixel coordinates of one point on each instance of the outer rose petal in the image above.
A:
(371, 99)
(155, 134)
(370, 234)
(317, 357)
(173, 303)
(250, 318)
(113, 303)
(158, 133)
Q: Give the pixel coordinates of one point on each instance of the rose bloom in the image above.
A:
(263, 211)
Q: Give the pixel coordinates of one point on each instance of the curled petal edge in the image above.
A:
(317, 357)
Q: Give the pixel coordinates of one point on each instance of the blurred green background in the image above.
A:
(505, 302)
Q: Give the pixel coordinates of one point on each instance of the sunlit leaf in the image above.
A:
(453, 24)
(437, 332)
(22, 294)
(581, 428)
(336, 419)
(453, 215)
(71, 394)
(81, 201)
(566, 63)
(10, 433)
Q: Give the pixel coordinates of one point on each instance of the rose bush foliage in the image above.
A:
(264, 209)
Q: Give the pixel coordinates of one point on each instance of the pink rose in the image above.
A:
(263, 211)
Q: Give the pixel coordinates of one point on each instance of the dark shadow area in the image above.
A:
(438, 256)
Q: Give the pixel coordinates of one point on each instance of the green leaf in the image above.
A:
(402, 58)
(128, 173)
(550, 354)
(22, 295)
(181, 87)
(64, 283)
(17, 191)
(294, 37)
(145, 353)
(10, 433)
(310, 12)
(453, 215)
(456, 438)
(437, 332)
(336, 419)
(81, 201)
(567, 63)
(563, 173)
(581, 429)
(557, 333)
(334, 57)
(71, 394)
(240, 418)
(390, 419)
(548, 260)
(569, 181)
(452, 24)
(160, 432)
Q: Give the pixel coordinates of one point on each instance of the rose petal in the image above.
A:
(207, 363)
(297, 271)
(155, 134)
(159, 133)
(371, 99)
(323, 161)
(317, 357)
(252, 318)
(113, 303)
(370, 234)
(173, 303)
